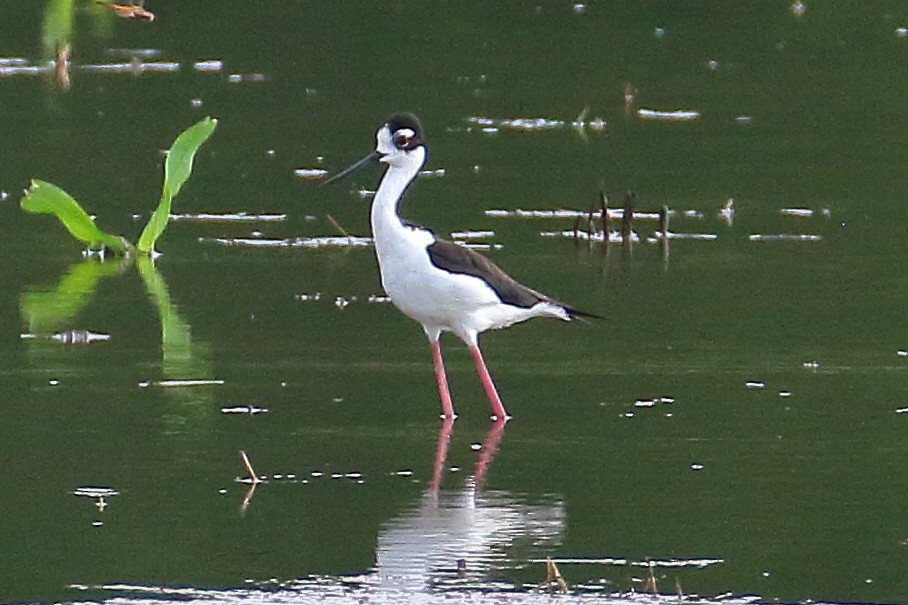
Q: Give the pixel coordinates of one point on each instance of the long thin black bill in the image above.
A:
(369, 158)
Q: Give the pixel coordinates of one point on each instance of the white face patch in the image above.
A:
(392, 146)
(384, 141)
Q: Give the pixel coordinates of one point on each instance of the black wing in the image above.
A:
(458, 259)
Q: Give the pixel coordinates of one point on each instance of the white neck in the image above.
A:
(402, 169)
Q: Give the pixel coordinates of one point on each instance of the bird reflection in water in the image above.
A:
(463, 536)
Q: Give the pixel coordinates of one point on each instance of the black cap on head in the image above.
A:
(406, 121)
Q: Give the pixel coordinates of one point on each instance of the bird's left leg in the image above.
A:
(498, 412)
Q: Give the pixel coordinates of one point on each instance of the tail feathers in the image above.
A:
(572, 313)
(581, 315)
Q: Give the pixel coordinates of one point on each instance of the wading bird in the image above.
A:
(440, 284)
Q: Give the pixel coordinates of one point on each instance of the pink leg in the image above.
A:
(498, 412)
(447, 407)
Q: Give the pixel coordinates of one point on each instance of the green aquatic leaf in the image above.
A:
(57, 25)
(155, 226)
(46, 198)
(177, 169)
(178, 166)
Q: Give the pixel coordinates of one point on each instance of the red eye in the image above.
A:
(401, 140)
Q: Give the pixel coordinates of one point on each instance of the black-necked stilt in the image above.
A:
(440, 284)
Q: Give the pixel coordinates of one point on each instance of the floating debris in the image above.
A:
(181, 383)
(342, 301)
(648, 403)
(252, 479)
(679, 115)
(432, 174)
(95, 492)
(553, 574)
(673, 235)
(299, 242)
(213, 65)
(78, 337)
(785, 237)
(134, 52)
(133, 67)
(811, 365)
(615, 213)
(228, 217)
(244, 409)
(493, 125)
(310, 174)
(475, 246)
(598, 236)
(253, 77)
(727, 213)
(134, 10)
(521, 213)
(472, 234)
(25, 70)
(8, 61)
(803, 212)
(623, 562)
(99, 494)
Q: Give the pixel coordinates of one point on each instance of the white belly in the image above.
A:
(426, 293)
(440, 300)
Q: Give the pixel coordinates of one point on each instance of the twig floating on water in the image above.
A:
(552, 573)
(252, 476)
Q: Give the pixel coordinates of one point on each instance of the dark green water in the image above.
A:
(794, 491)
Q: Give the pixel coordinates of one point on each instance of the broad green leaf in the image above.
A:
(155, 226)
(57, 25)
(177, 169)
(178, 166)
(45, 198)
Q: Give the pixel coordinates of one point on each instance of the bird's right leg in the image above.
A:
(447, 406)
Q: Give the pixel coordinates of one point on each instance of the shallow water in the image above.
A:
(735, 420)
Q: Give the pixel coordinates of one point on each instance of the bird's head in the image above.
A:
(398, 143)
